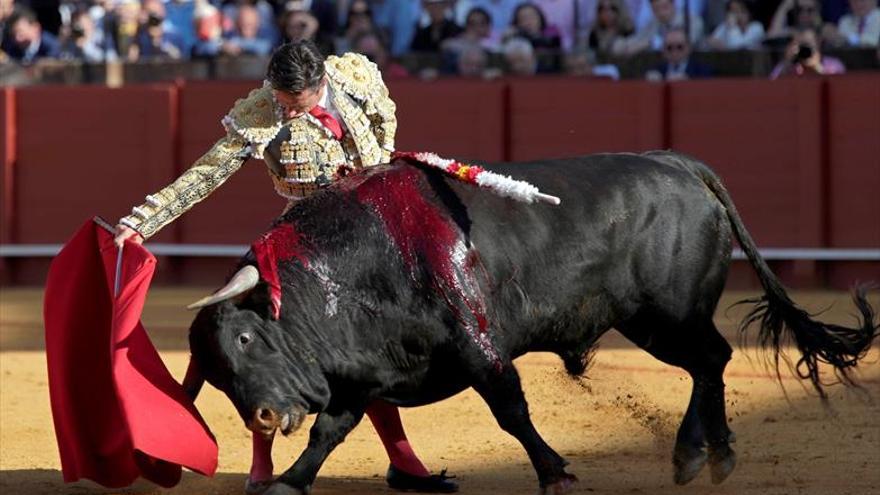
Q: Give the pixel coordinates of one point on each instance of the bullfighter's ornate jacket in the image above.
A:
(301, 154)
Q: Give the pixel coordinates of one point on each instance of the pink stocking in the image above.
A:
(261, 465)
(386, 420)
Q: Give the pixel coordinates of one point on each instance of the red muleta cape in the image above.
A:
(118, 412)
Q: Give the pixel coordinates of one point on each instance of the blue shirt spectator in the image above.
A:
(246, 38)
(26, 41)
(179, 16)
(398, 19)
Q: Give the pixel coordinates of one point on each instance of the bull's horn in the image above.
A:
(244, 280)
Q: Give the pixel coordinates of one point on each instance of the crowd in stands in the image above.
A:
(471, 38)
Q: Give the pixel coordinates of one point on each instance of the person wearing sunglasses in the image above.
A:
(677, 64)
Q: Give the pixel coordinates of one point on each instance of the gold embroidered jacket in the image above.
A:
(301, 153)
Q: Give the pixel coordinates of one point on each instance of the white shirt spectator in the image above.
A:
(861, 32)
(733, 37)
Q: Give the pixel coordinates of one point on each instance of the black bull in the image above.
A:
(408, 287)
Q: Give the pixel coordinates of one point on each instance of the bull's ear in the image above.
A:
(258, 301)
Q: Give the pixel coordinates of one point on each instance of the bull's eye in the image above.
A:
(244, 338)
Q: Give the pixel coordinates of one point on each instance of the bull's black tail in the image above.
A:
(780, 319)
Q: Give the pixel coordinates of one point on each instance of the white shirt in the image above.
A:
(869, 35)
(734, 38)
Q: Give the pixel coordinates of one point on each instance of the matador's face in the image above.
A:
(297, 104)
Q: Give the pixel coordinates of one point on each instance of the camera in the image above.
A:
(804, 52)
(77, 31)
(154, 20)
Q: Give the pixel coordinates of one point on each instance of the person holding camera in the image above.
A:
(81, 40)
(803, 56)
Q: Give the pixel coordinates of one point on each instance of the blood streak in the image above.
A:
(422, 233)
(282, 243)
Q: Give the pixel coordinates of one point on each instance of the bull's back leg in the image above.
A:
(698, 348)
(502, 391)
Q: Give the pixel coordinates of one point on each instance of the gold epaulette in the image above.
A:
(256, 119)
(355, 74)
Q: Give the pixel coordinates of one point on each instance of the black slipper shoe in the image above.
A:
(435, 483)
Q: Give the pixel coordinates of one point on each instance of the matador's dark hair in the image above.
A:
(296, 66)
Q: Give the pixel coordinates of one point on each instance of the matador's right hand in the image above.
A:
(123, 232)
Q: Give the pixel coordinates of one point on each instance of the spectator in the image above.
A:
(81, 41)
(268, 22)
(209, 31)
(473, 61)
(519, 57)
(530, 24)
(859, 28)
(612, 23)
(477, 30)
(653, 35)
(397, 20)
(793, 16)
(246, 39)
(179, 15)
(578, 63)
(500, 13)
(738, 31)
(644, 13)
(358, 20)
(370, 45)
(298, 23)
(803, 56)
(26, 41)
(123, 28)
(154, 41)
(560, 15)
(439, 29)
(677, 64)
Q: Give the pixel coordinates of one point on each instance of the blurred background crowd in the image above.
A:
(471, 38)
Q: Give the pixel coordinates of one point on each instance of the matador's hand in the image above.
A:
(123, 233)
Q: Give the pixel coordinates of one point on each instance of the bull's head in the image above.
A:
(238, 348)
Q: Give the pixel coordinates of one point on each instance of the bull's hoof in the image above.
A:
(688, 463)
(279, 488)
(722, 462)
(252, 487)
(565, 485)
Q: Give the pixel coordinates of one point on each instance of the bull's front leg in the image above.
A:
(502, 391)
(329, 430)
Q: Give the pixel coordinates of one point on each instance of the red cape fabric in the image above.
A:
(118, 412)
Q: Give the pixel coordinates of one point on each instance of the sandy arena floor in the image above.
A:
(616, 428)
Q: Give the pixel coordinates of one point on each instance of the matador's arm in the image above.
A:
(251, 125)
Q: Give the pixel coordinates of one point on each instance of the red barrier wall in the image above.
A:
(7, 162)
(84, 151)
(765, 140)
(465, 119)
(800, 157)
(568, 117)
(854, 174)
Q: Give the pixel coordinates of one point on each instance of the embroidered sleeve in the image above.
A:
(361, 79)
(206, 174)
(251, 124)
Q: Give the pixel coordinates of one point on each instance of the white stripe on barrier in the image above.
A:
(234, 250)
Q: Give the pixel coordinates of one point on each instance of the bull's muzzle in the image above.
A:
(266, 420)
